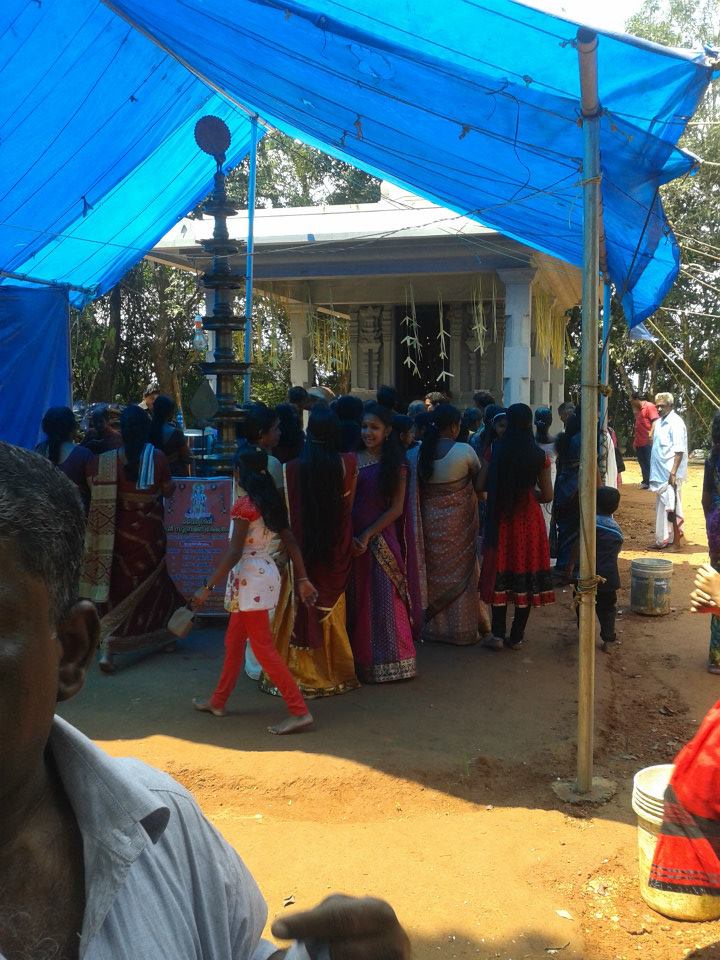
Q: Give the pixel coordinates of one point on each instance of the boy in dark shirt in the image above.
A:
(609, 541)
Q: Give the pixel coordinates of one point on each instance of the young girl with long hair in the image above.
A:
(516, 560)
(320, 490)
(166, 436)
(59, 427)
(385, 606)
(543, 421)
(253, 588)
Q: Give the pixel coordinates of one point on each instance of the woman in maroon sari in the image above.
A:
(384, 606)
(125, 571)
(320, 489)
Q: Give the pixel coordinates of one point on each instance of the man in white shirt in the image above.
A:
(104, 858)
(668, 469)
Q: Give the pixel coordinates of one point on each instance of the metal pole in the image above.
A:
(252, 178)
(605, 353)
(587, 42)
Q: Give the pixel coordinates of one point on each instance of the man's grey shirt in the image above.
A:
(160, 881)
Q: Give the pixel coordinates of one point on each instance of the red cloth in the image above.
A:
(644, 419)
(254, 625)
(245, 509)
(688, 849)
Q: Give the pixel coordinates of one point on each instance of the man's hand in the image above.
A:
(353, 929)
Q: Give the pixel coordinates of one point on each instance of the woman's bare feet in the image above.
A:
(705, 598)
(205, 706)
(292, 725)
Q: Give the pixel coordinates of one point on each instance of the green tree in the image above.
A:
(690, 314)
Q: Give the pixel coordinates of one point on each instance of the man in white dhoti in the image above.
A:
(668, 469)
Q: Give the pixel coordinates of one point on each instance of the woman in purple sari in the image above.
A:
(383, 605)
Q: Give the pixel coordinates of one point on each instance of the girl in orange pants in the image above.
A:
(253, 588)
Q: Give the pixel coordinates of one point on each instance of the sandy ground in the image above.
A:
(436, 794)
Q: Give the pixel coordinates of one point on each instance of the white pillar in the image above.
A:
(518, 313)
(540, 382)
(557, 387)
(300, 369)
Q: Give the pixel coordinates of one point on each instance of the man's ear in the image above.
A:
(78, 634)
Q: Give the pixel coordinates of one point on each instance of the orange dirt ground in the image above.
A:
(436, 794)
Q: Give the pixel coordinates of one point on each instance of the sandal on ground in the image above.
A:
(106, 664)
(205, 706)
(515, 644)
(491, 642)
(713, 668)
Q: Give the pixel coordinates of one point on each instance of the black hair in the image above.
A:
(608, 500)
(162, 411)
(298, 395)
(59, 425)
(482, 399)
(435, 397)
(99, 416)
(543, 422)
(251, 463)
(442, 417)
(42, 522)
(388, 397)
(402, 423)
(393, 455)
(254, 420)
(636, 396)
(291, 431)
(135, 430)
(565, 406)
(349, 407)
(572, 428)
(489, 433)
(321, 486)
(422, 422)
(472, 418)
(519, 459)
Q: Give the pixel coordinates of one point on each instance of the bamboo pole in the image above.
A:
(249, 265)
(587, 43)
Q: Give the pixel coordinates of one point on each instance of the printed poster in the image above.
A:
(197, 523)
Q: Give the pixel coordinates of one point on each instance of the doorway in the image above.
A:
(409, 384)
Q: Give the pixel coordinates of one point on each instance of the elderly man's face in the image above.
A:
(40, 664)
(663, 408)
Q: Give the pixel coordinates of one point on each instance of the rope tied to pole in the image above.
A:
(589, 585)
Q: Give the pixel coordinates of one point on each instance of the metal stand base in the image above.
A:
(602, 791)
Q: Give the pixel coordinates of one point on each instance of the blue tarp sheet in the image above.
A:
(34, 360)
(473, 105)
(97, 155)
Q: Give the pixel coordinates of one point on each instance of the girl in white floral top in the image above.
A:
(253, 585)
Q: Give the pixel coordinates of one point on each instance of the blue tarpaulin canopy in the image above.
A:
(97, 156)
(472, 105)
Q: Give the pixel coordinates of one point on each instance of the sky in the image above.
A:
(604, 14)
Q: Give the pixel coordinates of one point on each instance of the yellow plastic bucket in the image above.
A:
(647, 802)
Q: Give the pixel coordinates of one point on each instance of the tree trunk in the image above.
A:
(103, 385)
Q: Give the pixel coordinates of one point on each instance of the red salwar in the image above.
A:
(254, 625)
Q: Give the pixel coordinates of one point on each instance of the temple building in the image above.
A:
(432, 300)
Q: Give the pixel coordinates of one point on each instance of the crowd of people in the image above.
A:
(359, 529)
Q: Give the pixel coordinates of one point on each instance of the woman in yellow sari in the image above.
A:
(320, 488)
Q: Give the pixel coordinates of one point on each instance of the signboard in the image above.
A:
(197, 522)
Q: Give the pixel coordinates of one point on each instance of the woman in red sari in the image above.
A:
(125, 571)
(320, 490)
